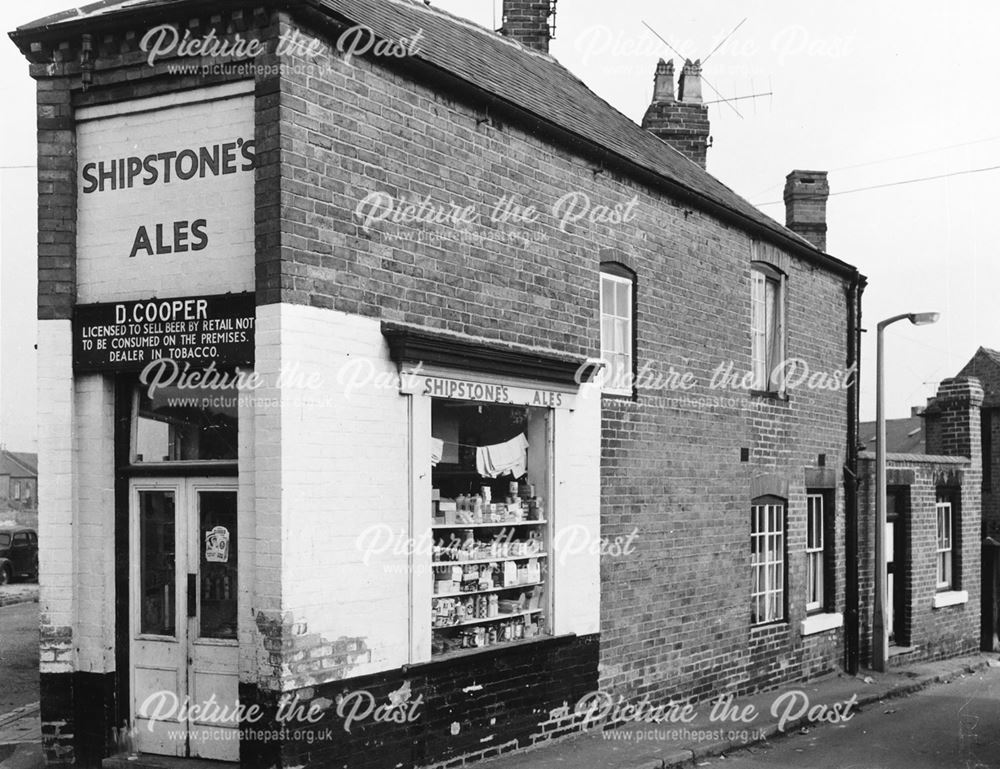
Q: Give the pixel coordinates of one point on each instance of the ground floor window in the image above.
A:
(767, 558)
(490, 479)
(945, 543)
(815, 552)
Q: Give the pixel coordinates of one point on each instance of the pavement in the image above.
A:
(711, 729)
(18, 655)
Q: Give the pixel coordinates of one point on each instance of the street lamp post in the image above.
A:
(880, 635)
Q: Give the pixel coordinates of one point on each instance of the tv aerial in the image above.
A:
(722, 99)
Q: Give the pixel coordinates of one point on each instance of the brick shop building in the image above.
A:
(400, 380)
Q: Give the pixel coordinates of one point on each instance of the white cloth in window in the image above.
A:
(437, 450)
(502, 458)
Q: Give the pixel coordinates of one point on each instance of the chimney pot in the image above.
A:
(806, 193)
(689, 89)
(663, 82)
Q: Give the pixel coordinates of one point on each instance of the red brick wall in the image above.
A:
(676, 614)
(991, 493)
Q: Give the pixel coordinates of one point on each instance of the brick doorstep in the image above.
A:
(597, 749)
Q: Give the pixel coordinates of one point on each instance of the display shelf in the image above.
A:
(494, 559)
(481, 620)
(490, 590)
(484, 525)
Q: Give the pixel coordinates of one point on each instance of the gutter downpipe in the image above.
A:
(852, 634)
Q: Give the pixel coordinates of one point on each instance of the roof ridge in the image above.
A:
(10, 456)
(492, 34)
(539, 86)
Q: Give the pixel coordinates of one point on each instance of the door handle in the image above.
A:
(192, 595)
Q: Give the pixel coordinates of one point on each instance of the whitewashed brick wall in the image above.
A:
(260, 496)
(56, 533)
(577, 515)
(344, 467)
(94, 560)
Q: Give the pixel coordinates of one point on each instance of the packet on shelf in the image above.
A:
(447, 510)
(509, 573)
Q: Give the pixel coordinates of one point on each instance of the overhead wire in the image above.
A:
(889, 159)
(897, 183)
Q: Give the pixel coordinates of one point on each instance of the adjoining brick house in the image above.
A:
(934, 526)
(19, 487)
(984, 366)
(303, 220)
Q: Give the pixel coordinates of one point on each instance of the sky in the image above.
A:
(874, 92)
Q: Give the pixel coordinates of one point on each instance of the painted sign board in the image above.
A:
(198, 330)
(165, 195)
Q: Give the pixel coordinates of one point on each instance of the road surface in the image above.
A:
(18, 655)
(949, 726)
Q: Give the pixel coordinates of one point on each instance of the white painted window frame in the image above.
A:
(945, 557)
(815, 552)
(768, 531)
(768, 376)
(618, 319)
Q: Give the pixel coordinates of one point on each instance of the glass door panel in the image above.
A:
(157, 563)
(218, 564)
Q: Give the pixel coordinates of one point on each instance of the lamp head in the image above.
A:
(924, 318)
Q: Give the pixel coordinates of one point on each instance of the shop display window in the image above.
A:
(491, 522)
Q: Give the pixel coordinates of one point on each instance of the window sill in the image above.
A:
(950, 598)
(820, 623)
(769, 626)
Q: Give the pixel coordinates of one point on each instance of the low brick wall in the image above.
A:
(470, 707)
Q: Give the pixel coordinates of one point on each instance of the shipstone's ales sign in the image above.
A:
(165, 195)
(412, 383)
(198, 330)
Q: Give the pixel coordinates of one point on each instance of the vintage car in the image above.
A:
(18, 554)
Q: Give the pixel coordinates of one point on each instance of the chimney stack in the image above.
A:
(527, 21)
(681, 123)
(952, 420)
(806, 193)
